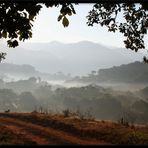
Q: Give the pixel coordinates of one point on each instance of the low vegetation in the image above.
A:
(8, 137)
(71, 128)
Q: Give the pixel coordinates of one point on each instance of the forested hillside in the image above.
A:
(136, 72)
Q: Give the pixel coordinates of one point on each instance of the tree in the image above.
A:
(27, 101)
(16, 19)
(134, 26)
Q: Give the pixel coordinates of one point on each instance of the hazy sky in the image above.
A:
(47, 28)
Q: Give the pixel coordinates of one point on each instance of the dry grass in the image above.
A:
(7, 137)
(72, 130)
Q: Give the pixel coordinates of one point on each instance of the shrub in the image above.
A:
(123, 121)
(66, 112)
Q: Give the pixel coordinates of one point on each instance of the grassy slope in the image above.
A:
(56, 129)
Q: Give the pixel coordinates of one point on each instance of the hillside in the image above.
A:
(49, 129)
(17, 69)
(10, 71)
(136, 72)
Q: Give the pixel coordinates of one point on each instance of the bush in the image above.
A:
(66, 112)
(123, 121)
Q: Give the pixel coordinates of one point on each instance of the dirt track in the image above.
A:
(44, 135)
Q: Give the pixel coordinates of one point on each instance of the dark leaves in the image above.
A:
(133, 27)
(67, 9)
(145, 59)
(16, 19)
(60, 17)
(15, 23)
(12, 43)
(4, 34)
(65, 22)
(2, 56)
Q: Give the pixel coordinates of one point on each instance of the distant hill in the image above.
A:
(75, 58)
(14, 71)
(17, 69)
(136, 72)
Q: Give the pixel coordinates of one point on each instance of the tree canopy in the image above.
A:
(16, 20)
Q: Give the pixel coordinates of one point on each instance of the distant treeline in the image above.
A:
(136, 72)
(102, 103)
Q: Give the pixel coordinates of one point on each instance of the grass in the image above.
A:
(110, 132)
(7, 137)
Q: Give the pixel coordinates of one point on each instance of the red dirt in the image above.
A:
(44, 135)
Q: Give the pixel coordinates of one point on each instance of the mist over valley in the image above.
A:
(85, 77)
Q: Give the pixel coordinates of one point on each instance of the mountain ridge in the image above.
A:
(75, 58)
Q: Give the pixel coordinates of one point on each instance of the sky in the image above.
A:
(47, 29)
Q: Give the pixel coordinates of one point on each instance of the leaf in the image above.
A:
(2, 56)
(96, 6)
(68, 10)
(31, 17)
(60, 17)
(49, 4)
(4, 34)
(73, 10)
(65, 22)
(69, 13)
(25, 14)
(30, 34)
(20, 38)
(12, 43)
(62, 10)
